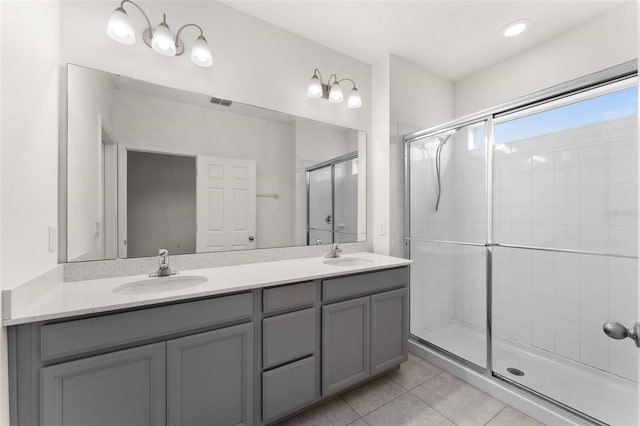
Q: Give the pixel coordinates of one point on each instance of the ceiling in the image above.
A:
(451, 39)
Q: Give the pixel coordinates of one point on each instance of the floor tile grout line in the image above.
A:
(496, 415)
(432, 407)
(420, 384)
(386, 403)
(419, 399)
(354, 410)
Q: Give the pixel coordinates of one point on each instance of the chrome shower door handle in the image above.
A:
(617, 331)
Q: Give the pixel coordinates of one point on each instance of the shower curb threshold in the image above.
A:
(531, 405)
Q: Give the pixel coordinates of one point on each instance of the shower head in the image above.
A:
(444, 138)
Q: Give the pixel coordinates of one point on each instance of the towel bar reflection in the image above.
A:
(271, 195)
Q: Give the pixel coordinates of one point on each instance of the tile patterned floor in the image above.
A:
(417, 394)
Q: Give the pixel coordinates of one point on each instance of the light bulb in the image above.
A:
(354, 100)
(335, 94)
(119, 27)
(163, 41)
(200, 53)
(315, 88)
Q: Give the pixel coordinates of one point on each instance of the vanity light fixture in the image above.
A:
(333, 91)
(160, 39)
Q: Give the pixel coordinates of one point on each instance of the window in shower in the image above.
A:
(565, 180)
(447, 236)
(609, 103)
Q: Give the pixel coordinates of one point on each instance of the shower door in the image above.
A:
(320, 202)
(447, 238)
(533, 246)
(565, 175)
(332, 201)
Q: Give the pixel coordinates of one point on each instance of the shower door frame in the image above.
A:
(607, 76)
(328, 163)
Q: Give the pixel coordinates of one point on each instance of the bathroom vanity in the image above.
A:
(234, 350)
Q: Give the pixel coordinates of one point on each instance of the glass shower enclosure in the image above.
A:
(332, 201)
(523, 226)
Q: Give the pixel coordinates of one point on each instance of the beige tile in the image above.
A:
(406, 410)
(358, 422)
(512, 417)
(367, 398)
(334, 412)
(414, 372)
(458, 401)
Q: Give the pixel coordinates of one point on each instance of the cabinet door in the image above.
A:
(389, 320)
(210, 378)
(120, 388)
(345, 344)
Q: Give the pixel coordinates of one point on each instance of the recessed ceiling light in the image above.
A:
(515, 28)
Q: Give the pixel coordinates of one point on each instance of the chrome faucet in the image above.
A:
(163, 269)
(335, 252)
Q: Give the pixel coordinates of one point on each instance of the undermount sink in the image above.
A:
(347, 261)
(156, 285)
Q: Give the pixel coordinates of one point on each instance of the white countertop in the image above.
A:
(67, 299)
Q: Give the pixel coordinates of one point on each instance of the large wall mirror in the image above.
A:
(152, 167)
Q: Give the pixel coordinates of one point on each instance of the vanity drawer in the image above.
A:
(91, 334)
(288, 388)
(288, 336)
(288, 297)
(358, 285)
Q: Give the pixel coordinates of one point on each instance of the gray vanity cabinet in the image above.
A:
(120, 388)
(345, 344)
(363, 336)
(389, 329)
(209, 378)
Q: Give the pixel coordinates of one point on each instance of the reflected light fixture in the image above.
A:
(515, 28)
(333, 91)
(160, 39)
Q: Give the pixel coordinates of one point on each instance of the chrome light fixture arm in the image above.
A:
(319, 75)
(179, 44)
(149, 26)
(349, 80)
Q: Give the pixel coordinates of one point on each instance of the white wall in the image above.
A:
(29, 135)
(153, 123)
(30, 86)
(379, 159)
(598, 44)
(91, 98)
(418, 100)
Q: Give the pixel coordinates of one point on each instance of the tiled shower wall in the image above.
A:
(575, 189)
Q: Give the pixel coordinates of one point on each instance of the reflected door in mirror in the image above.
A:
(226, 204)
